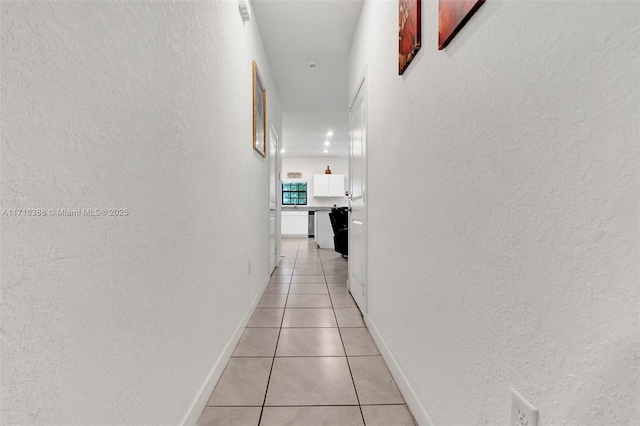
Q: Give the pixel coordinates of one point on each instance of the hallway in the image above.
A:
(306, 357)
(502, 244)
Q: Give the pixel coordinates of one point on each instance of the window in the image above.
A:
(294, 193)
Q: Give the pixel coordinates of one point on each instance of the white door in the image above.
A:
(274, 238)
(357, 200)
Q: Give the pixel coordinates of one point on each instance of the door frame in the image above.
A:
(274, 185)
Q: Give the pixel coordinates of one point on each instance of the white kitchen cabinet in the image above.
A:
(287, 225)
(328, 185)
(301, 224)
(294, 224)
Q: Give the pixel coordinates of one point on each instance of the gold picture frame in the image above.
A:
(259, 112)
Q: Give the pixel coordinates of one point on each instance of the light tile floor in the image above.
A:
(306, 357)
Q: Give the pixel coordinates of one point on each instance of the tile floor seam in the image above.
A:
(348, 365)
(275, 350)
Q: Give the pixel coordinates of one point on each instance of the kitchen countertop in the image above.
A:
(306, 209)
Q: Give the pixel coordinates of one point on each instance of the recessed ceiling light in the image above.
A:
(282, 151)
(330, 133)
(325, 151)
(327, 143)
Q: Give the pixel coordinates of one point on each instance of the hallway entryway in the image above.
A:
(306, 356)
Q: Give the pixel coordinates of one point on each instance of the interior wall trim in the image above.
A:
(418, 410)
(199, 403)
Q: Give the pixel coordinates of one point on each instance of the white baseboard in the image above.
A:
(420, 413)
(199, 403)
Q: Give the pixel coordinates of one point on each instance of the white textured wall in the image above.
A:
(310, 166)
(138, 105)
(503, 207)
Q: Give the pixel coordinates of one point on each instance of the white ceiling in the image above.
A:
(313, 100)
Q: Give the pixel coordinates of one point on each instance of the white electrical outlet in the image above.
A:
(522, 412)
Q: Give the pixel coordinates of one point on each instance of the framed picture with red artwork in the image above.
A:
(452, 16)
(410, 30)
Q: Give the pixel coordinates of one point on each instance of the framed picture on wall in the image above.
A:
(409, 32)
(452, 16)
(259, 112)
